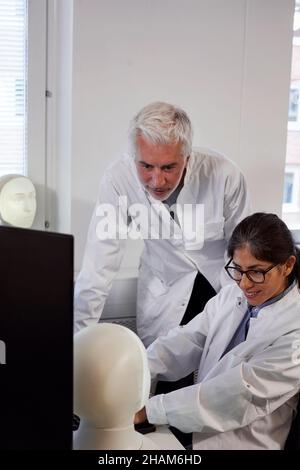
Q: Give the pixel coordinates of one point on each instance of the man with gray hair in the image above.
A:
(170, 181)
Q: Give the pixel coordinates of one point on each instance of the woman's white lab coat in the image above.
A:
(168, 266)
(244, 400)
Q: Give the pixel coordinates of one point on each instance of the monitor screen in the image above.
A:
(36, 339)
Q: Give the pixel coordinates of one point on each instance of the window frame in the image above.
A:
(296, 235)
(36, 103)
(286, 205)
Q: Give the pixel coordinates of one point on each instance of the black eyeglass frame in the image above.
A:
(227, 269)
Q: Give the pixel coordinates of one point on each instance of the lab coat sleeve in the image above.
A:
(236, 207)
(234, 398)
(177, 354)
(101, 262)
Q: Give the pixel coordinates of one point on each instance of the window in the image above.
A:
(288, 188)
(13, 72)
(294, 104)
(23, 27)
(294, 110)
(291, 193)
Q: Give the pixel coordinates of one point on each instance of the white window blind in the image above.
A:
(13, 78)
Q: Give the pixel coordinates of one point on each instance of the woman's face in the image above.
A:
(276, 280)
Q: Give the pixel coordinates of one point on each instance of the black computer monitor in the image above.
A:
(36, 338)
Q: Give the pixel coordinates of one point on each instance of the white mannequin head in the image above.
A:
(17, 201)
(111, 383)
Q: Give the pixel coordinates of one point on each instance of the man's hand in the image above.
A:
(140, 416)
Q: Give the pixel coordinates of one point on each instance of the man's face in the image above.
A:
(159, 166)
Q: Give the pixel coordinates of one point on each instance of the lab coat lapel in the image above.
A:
(233, 323)
(275, 319)
(161, 215)
(219, 339)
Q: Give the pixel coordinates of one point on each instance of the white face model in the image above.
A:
(18, 202)
(110, 390)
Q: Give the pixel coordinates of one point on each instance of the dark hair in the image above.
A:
(269, 240)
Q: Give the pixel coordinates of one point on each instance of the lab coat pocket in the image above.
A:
(157, 286)
(214, 230)
(254, 388)
(150, 281)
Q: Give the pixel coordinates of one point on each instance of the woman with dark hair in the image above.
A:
(245, 345)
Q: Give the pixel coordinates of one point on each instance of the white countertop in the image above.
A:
(165, 439)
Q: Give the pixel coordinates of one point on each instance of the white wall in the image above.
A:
(226, 62)
(264, 100)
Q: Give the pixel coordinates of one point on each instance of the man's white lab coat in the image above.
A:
(244, 400)
(168, 267)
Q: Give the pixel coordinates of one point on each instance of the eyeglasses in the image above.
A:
(254, 275)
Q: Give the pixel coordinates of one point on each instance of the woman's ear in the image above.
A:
(289, 265)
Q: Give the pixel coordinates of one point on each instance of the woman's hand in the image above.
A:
(140, 416)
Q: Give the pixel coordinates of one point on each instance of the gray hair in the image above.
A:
(162, 123)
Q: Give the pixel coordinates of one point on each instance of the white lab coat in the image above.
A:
(244, 400)
(168, 267)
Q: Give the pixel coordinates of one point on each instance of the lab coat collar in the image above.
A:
(272, 322)
(132, 165)
(278, 313)
(196, 154)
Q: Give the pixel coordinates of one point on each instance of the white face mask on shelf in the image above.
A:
(17, 201)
